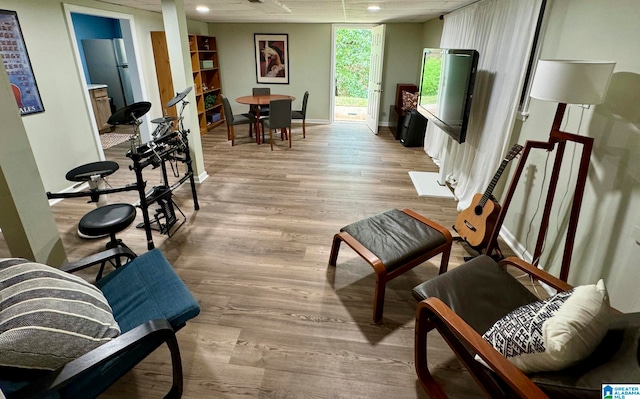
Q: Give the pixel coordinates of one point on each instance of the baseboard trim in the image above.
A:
(201, 177)
(515, 245)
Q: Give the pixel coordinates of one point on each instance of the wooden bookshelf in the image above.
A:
(206, 78)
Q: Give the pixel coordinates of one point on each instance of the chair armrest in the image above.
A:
(536, 273)
(465, 341)
(152, 334)
(99, 258)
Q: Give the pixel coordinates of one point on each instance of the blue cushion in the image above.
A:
(148, 288)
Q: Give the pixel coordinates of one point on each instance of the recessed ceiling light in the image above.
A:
(373, 8)
(202, 9)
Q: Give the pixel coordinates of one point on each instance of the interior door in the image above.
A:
(375, 77)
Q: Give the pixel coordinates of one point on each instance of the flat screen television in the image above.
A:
(446, 88)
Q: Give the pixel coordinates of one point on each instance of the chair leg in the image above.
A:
(429, 384)
(304, 129)
(260, 128)
(335, 248)
(271, 138)
(378, 298)
(176, 361)
(233, 137)
(289, 134)
(444, 262)
(228, 132)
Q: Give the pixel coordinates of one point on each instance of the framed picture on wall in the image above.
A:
(272, 58)
(16, 62)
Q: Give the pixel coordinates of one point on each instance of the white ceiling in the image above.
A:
(308, 11)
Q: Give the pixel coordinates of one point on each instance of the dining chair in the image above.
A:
(302, 114)
(279, 118)
(261, 91)
(238, 119)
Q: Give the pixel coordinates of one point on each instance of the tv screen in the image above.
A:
(446, 88)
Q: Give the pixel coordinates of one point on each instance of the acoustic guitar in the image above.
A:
(476, 223)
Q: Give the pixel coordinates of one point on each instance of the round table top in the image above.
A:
(84, 172)
(262, 100)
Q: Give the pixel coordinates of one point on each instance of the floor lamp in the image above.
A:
(564, 82)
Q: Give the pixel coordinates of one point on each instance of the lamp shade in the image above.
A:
(572, 82)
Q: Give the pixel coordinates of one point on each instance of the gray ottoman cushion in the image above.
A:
(395, 237)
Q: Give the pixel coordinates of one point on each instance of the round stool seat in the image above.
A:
(108, 219)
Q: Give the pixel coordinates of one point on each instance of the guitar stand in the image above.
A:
(476, 251)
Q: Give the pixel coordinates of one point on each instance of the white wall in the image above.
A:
(310, 67)
(309, 63)
(606, 245)
(402, 59)
(432, 32)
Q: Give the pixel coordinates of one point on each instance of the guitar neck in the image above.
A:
(494, 181)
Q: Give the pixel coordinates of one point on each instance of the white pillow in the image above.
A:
(554, 333)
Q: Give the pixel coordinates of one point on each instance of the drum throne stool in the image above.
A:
(108, 220)
(393, 242)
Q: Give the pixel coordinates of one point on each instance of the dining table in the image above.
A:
(257, 101)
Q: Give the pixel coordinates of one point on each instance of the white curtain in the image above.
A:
(502, 31)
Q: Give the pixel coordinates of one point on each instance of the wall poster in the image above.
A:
(16, 62)
(272, 58)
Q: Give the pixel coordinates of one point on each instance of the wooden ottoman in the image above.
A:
(392, 243)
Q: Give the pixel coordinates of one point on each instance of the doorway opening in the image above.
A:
(106, 54)
(351, 64)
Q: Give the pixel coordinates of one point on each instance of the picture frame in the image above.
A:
(17, 64)
(272, 58)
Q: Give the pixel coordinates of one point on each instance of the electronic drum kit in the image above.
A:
(168, 143)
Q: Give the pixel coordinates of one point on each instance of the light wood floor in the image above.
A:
(276, 321)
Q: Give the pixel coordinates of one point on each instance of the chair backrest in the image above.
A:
(280, 113)
(305, 98)
(228, 113)
(261, 91)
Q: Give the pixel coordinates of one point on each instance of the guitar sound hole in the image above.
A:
(478, 210)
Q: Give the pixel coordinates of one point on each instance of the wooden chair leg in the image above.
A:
(423, 326)
(304, 129)
(444, 262)
(258, 133)
(271, 138)
(232, 133)
(335, 248)
(378, 298)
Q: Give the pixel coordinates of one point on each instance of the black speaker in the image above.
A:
(413, 128)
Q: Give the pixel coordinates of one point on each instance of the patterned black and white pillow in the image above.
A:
(49, 317)
(553, 333)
